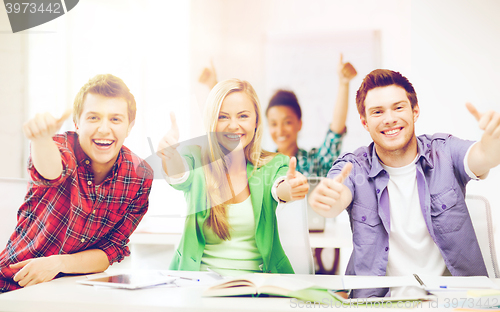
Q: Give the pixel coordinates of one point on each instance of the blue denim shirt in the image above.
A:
(441, 181)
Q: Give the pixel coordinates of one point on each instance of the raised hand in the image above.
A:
(44, 151)
(331, 196)
(167, 149)
(208, 76)
(44, 126)
(489, 151)
(345, 70)
(168, 144)
(489, 121)
(297, 181)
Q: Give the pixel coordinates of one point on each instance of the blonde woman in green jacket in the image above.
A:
(232, 187)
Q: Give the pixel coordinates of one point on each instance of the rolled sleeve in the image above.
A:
(68, 161)
(467, 169)
(332, 145)
(458, 150)
(320, 160)
(113, 252)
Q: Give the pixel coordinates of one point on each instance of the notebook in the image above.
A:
(128, 281)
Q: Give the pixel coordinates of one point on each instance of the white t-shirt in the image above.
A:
(411, 247)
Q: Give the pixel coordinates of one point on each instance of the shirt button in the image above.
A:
(365, 154)
(87, 162)
(428, 145)
(82, 240)
(363, 218)
(386, 248)
(378, 191)
(89, 182)
(93, 211)
(443, 206)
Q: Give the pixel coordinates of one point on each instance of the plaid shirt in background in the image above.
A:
(317, 162)
(71, 214)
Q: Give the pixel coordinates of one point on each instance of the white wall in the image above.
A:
(12, 99)
(454, 60)
(145, 43)
(234, 35)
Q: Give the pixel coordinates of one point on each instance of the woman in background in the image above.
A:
(232, 188)
(285, 122)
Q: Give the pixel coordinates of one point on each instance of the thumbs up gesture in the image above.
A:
(331, 196)
(297, 181)
(167, 150)
(489, 122)
(44, 126)
(169, 142)
(44, 151)
(487, 155)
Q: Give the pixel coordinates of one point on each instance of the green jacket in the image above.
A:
(191, 247)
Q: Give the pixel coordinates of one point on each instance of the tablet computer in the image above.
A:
(343, 296)
(128, 281)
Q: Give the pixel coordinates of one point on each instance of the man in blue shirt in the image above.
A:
(405, 195)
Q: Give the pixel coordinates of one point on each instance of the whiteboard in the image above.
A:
(306, 63)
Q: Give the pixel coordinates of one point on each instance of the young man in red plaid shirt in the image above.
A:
(87, 192)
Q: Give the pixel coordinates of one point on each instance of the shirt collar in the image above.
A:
(84, 160)
(81, 157)
(300, 152)
(423, 149)
(375, 166)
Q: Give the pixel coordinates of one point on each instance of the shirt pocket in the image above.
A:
(365, 224)
(113, 215)
(448, 214)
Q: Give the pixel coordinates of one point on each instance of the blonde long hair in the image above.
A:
(214, 165)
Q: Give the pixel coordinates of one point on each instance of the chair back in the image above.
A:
(480, 213)
(294, 235)
(12, 193)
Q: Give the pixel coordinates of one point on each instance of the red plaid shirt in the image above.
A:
(71, 214)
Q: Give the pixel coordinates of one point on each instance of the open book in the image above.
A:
(257, 284)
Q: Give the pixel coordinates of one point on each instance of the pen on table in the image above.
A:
(419, 280)
(216, 273)
(182, 277)
(186, 278)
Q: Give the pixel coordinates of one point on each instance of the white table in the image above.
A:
(64, 294)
